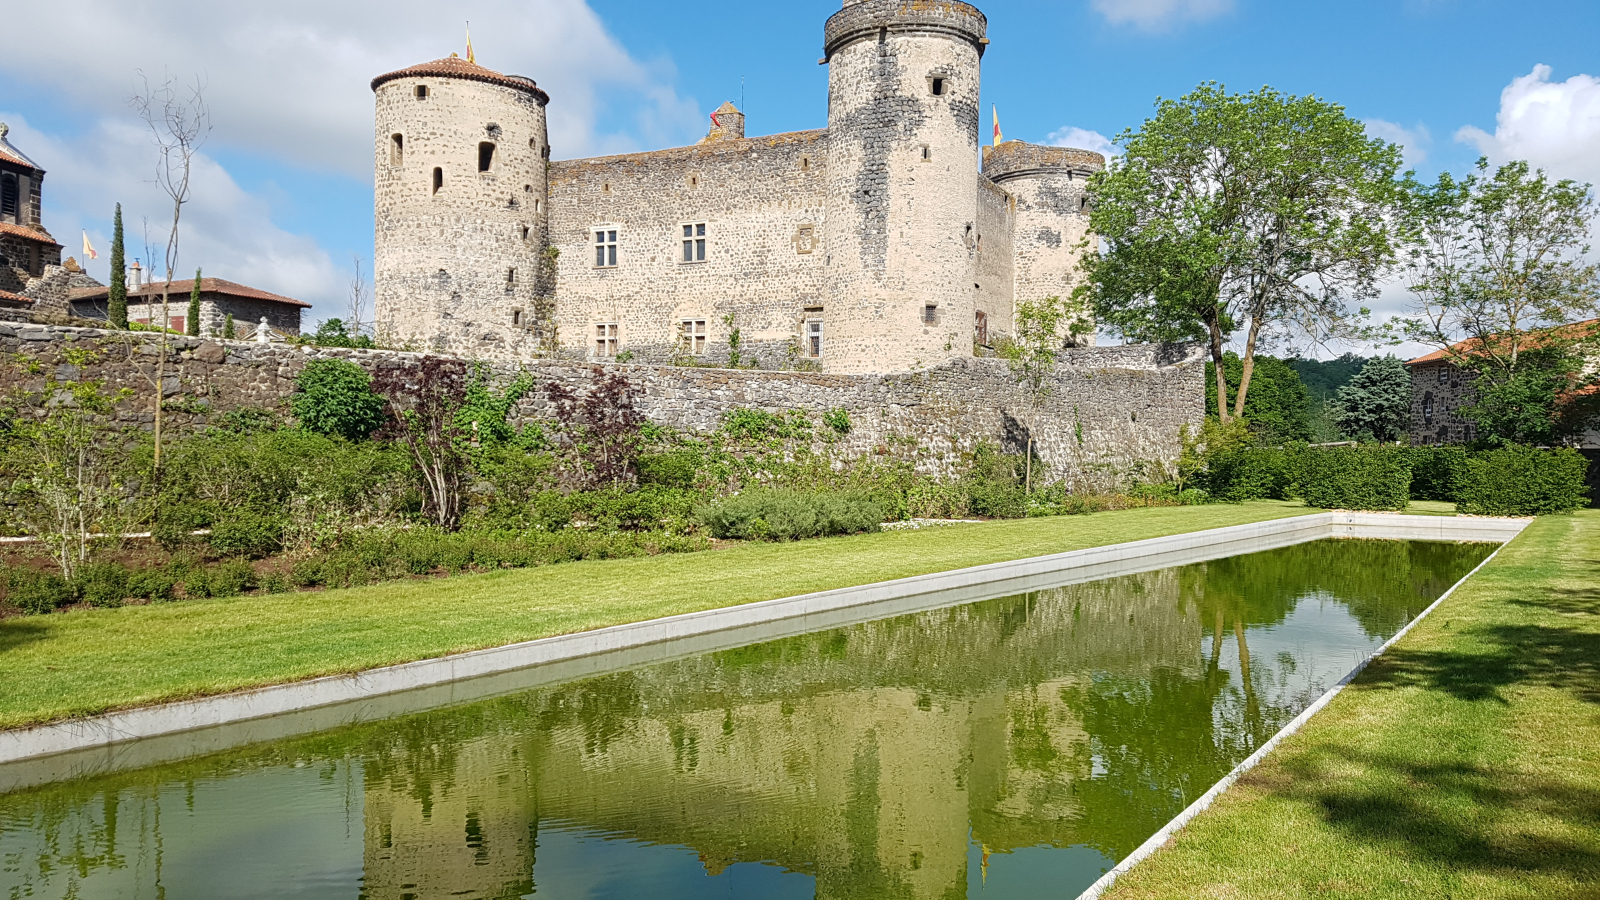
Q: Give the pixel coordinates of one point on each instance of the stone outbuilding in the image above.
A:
(26, 248)
(1440, 387)
(218, 299)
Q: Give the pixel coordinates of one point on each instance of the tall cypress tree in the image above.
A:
(117, 304)
(194, 308)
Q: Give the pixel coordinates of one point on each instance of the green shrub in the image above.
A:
(275, 583)
(36, 592)
(673, 469)
(102, 584)
(246, 532)
(151, 584)
(306, 573)
(993, 484)
(1367, 476)
(1237, 474)
(768, 515)
(1436, 472)
(1522, 481)
(335, 397)
(231, 578)
(176, 523)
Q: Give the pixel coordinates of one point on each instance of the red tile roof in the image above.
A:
(16, 160)
(1461, 347)
(456, 67)
(184, 287)
(23, 231)
(8, 297)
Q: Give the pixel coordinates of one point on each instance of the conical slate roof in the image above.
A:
(454, 66)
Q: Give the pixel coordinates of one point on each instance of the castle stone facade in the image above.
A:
(874, 245)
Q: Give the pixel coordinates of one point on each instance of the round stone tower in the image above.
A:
(1050, 188)
(901, 232)
(461, 206)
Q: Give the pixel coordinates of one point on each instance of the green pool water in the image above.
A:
(1012, 748)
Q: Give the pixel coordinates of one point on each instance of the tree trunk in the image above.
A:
(1027, 478)
(1249, 366)
(1222, 376)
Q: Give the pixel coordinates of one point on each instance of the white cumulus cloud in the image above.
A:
(1551, 124)
(290, 79)
(1414, 142)
(1082, 139)
(1159, 15)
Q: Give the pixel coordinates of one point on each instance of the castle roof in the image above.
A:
(1014, 159)
(454, 66)
(861, 20)
(30, 234)
(730, 145)
(183, 287)
(13, 300)
(11, 154)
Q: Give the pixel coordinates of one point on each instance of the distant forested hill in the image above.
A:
(1322, 379)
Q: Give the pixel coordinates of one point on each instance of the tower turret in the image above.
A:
(901, 232)
(460, 207)
(1050, 188)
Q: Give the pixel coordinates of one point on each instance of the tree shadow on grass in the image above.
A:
(1460, 816)
(15, 633)
(1487, 659)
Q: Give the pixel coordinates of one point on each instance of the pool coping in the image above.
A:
(1157, 841)
(804, 612)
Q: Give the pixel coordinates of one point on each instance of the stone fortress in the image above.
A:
(878, 244)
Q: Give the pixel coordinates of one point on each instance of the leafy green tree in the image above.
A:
(335, 333)
(335, 396)
(117, 296)
(228, 331)
(1263, 211)
(1278, 408)
(1032, 354)
(1535, 403)
(1376, 403)
(1500, 273)
(1323, 378)
(192, 323)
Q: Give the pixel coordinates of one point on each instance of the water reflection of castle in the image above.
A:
(847, 755)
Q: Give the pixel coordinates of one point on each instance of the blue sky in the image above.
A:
(283, 199)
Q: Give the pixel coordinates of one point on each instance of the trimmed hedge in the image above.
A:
(1360, 477)
(1521, 481)
(1436, 472)
(763, 515)
(1251, 473)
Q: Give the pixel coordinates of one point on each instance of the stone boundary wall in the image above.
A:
(1104, 414)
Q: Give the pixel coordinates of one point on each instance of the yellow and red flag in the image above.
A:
(470, 57)
(88, 251)
(997, 137)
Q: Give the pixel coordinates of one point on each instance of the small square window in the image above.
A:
(1444, 374)
(605, 248)
(516, 318)
(605, 339)
(422, 92)
(813, 338)
(930, 314)
(692, 336)
(694, 242)
(938, 87)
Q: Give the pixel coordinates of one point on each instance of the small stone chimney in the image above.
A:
(727, 124)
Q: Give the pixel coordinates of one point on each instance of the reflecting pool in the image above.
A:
(1011, 748)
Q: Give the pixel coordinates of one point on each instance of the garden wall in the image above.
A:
(1107, 411)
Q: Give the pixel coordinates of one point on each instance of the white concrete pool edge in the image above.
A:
(1160, 838)
(258, 703)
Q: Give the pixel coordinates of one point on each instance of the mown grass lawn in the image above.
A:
(1465, 763)
(90, 661)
